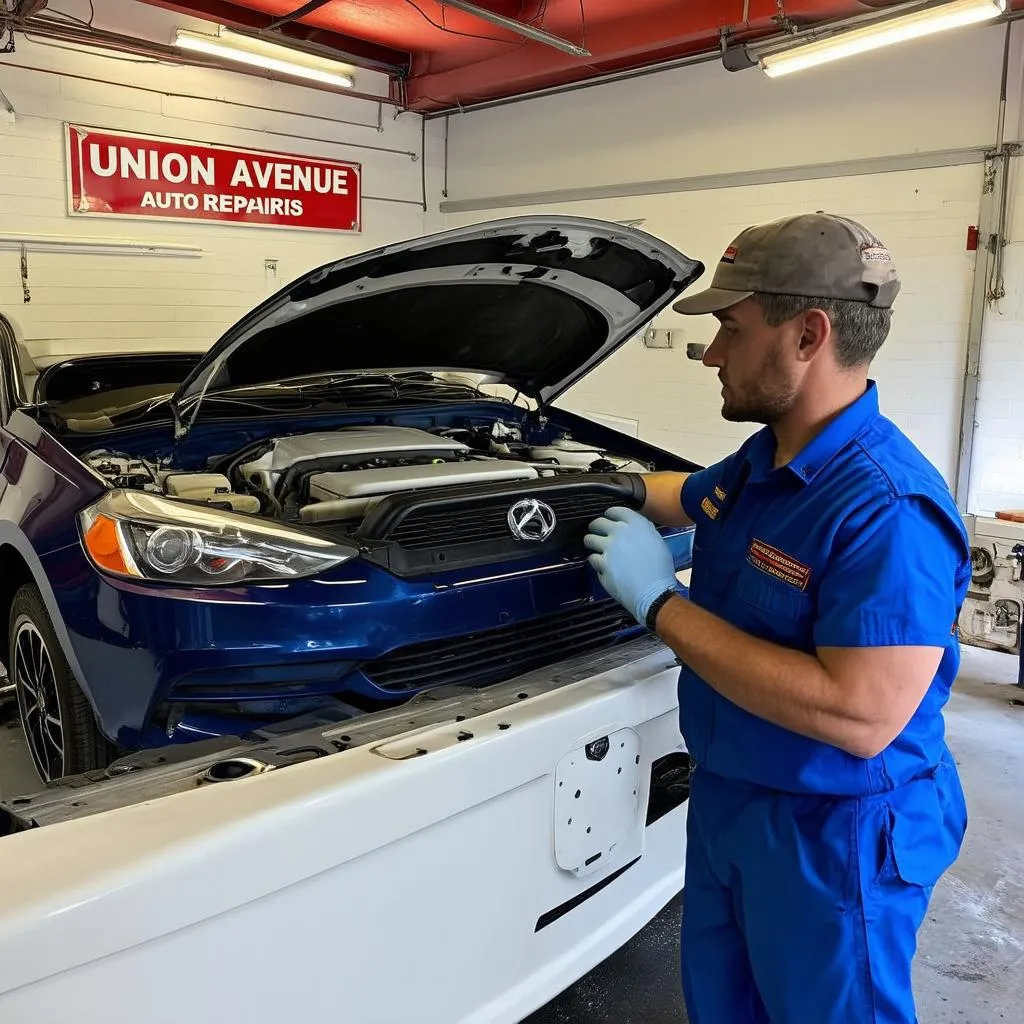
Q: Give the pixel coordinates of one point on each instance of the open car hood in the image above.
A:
(532, 302)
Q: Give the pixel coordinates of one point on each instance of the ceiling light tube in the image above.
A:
(261, 53)
(876, 34)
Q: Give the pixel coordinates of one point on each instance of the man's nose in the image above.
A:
(713, 354)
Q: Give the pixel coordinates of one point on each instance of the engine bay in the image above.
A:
(339, 476)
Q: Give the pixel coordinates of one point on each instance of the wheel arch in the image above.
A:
(14, 574)
(20, 564)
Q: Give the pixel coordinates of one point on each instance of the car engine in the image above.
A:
(338, 476)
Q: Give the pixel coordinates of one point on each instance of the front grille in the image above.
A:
(438, 526)
(495, 655)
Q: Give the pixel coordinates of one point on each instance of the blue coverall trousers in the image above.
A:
(805, 909)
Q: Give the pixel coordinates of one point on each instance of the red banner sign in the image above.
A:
(115, 174)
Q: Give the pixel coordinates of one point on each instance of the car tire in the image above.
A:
(56, 717)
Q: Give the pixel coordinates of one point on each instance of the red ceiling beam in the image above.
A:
(361, 51)
(643, 34)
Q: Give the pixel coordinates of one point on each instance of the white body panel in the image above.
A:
(359, 886)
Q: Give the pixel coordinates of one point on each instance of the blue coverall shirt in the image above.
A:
(855, 543)
(809, 870)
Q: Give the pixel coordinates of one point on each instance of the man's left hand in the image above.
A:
(632, 560)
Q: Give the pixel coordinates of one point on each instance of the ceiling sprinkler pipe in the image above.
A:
(519, 28)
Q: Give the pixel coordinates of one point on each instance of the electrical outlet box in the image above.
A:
(658, 337)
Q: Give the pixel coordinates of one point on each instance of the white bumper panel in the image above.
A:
(358, 887)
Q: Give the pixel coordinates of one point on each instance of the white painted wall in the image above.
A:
(932, 94)
(928, 96)
(997, 477)
(101, 302)
(921, 215)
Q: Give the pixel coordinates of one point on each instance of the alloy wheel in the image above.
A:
(38, 700)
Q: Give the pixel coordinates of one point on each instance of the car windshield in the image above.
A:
(119, 406)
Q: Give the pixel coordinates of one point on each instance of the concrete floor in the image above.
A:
(970, 965)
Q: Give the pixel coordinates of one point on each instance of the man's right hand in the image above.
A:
(664, 504)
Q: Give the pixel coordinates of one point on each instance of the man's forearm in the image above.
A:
(787, 687)
(664, 499)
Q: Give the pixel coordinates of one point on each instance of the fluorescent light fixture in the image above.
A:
(263, 54)
(883, 32)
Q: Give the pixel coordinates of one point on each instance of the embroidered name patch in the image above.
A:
(709, 508)
(774, 562)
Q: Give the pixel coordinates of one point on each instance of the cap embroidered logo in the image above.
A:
(875, 254)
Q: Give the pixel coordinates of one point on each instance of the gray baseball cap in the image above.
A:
(818, 255)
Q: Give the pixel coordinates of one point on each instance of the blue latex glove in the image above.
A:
(631, 559)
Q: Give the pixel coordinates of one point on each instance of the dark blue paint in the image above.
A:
(134, 645)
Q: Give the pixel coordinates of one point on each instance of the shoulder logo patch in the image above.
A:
(709, 508)
(778, 564)
(719, 494)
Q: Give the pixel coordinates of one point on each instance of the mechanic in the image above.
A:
(817, 640)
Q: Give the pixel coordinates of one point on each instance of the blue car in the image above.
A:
(362, 491)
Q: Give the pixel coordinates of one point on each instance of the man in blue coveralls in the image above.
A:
(817, 643)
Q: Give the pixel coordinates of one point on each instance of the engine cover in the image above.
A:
(392, 479)
(348, 442)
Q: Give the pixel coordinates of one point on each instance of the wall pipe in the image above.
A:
(985, 287)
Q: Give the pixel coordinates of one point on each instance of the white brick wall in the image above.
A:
(931, 95)
(934, 94)
(100, 302)
(922, 216)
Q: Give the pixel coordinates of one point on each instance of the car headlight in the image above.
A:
(143, 536)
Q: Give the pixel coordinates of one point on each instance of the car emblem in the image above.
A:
(531, 519)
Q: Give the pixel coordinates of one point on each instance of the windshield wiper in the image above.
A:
(362, 387)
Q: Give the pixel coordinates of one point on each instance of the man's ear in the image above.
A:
(817, 330)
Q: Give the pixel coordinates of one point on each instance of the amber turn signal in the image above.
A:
(103, 542)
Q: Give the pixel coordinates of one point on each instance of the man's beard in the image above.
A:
(765, 398)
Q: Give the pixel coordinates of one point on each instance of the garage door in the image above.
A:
(922, 215)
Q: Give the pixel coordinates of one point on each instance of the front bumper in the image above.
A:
(167, 664)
